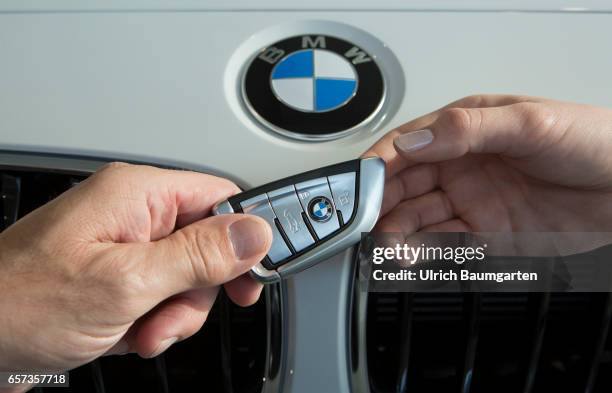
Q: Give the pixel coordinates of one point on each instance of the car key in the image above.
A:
(313, 215)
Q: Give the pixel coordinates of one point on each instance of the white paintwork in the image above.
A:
(151, 85)
(328, 64)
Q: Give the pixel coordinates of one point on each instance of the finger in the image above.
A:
(490, 100)
(395, 163)
(194, 207)
(206, 253)
(160, 199)
(174, 320)
(409, 183)
(414, 214)
(454, 225)
(243, 290)
(189, 196)
(516, 130)
(383, 148)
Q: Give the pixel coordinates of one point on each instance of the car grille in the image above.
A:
(235, 351)
(489, 342)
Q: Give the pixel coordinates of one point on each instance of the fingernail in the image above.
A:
(413, 141)
(248, 237)
(165, 344)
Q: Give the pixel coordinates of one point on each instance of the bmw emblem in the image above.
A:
(313, 87)
(320, 209)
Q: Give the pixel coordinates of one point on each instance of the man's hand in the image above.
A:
(499, 163)
(127, 261)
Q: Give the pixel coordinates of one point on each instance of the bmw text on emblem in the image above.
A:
(313, 86)
(320, 209)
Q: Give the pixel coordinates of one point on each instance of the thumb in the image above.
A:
(208, 253)
(513, 130)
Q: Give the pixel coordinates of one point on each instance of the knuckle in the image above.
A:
(110, 171)
(537, 117)
(459, 120)
(113, 166)
(472, 101)
(117, 167)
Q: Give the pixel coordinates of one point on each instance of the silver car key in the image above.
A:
(313, 215)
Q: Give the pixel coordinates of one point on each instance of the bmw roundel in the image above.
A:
(313, 86)
(320, 209)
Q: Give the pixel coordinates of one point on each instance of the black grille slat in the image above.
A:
(98, 379)
(603, 381)
(406, 337)
(274, 337)
(569, 343)
(473, 307)
(130, 373)
(87, 378)
(600, 342)
(539, 304)
(162, 372)
(10, 195)
(225, 342)
(536, 342)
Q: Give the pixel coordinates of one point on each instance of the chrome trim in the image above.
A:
(222, 208)
(38, 161)
(277, 350)
(70, 162)
(356, 332)
(318, 301)
(260, 273)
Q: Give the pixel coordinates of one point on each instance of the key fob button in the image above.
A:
(288, 210)
(343, 189)
(260, 206)
(316, 199)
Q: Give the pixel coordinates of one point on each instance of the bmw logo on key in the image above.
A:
(320, 209)
(313, 87)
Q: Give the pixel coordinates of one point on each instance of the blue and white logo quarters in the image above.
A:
(313, 85)
(314, 80)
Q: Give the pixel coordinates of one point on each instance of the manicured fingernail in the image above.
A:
(165, 344)
(249, 237)
(413, 141)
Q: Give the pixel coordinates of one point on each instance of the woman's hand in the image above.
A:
(127, 261)
(499, 163)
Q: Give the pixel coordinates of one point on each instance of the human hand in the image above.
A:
(499, 163)
(126, 261)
